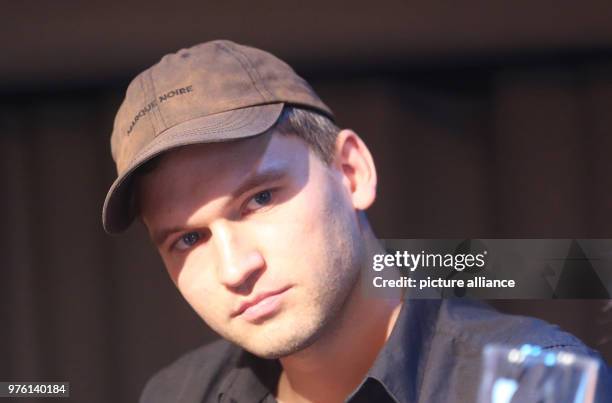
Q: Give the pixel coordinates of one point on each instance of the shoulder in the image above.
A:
(194, 377)
(474, 323)
(461, 331)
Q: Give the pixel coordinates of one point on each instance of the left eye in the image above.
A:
(187, 241)
(260, 200)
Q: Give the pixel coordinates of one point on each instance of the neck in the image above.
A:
(330, 369)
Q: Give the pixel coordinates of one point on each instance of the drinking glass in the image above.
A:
(529, 374)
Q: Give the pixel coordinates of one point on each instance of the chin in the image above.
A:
(282, 340)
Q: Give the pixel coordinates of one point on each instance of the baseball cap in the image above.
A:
(214, 91)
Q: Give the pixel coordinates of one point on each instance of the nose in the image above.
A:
(240, 263)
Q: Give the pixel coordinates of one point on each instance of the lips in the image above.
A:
(260, 306)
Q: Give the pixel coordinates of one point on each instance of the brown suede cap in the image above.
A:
(215, 91)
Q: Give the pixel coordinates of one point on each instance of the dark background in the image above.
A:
(485, 120)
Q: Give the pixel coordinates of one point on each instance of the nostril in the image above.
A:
(241, 272)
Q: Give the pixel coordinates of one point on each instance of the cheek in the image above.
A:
(173, 269)
(309, 230)
(194, 281)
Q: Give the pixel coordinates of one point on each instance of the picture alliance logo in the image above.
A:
(413, 261)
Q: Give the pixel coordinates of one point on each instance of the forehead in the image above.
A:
(185, 178)
(233, 155)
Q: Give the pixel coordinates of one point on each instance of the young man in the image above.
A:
(255, 201)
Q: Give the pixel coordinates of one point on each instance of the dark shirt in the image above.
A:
(433, 355)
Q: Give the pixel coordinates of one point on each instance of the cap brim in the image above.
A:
(118, 212)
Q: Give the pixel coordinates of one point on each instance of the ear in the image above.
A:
(356, 165)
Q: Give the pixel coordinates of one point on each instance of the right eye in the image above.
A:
(187, 241)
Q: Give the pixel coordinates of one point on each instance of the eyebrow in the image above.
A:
(266, 175)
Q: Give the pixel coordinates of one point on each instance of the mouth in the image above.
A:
(262, 306)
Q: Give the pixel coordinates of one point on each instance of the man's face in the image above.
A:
(260, 237)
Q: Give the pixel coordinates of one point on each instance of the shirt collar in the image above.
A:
(400, 364)
(398, 367)
(251, 381)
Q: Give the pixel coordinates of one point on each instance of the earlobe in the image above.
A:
(356, 164)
